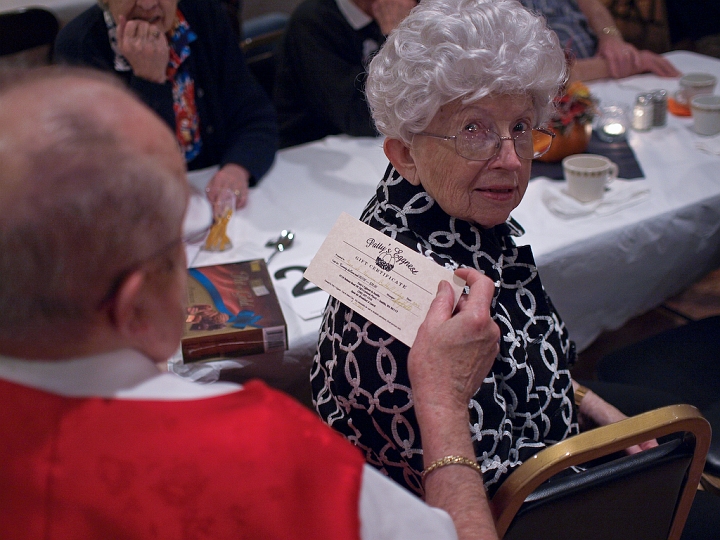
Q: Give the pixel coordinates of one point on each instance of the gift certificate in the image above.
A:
(383, 280)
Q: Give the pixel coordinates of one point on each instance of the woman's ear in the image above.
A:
(401, 158)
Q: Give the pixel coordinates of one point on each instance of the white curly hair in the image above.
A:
(462, 49)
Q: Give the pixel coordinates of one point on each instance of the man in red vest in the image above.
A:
(97, 442)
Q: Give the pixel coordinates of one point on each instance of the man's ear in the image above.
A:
(142, 316)
(128, 312)
(399, 155)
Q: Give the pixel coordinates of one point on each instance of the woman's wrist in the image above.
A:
(589, 69)
(445, 431)
(580, 392)
(451, 460)
(157, 78)
(611, 31)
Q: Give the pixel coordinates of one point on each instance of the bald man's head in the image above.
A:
(91, 181)
(42, 108)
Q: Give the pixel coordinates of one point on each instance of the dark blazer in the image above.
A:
(320, 79)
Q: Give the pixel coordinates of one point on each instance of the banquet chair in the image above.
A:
(27, 29)
(644, 496)
(261, 39)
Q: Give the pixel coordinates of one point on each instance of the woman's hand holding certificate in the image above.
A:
(380, 278)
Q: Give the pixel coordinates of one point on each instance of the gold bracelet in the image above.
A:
(451, 460)
(580, 392)
(612, 31)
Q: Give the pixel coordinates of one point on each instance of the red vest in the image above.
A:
(252, 464)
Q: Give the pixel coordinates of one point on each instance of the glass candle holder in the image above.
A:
(613, 122)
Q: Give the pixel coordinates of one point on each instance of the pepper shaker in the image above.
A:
(642, 117)
(659, 100)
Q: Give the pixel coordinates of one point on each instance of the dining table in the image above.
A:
(601, 263)
(611, 265)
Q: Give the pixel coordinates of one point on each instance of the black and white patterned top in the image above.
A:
(359, 376)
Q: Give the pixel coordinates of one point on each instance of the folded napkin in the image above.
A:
(711, 145)
(619, 194)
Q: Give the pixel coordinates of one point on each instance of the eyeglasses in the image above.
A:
(482, 145)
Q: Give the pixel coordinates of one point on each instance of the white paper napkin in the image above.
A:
(619, 194)
(710, 145)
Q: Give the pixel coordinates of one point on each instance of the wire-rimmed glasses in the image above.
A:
(483, 144)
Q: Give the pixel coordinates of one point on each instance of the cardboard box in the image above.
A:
(232, 311)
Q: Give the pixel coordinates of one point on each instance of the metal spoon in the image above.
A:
(283, 242)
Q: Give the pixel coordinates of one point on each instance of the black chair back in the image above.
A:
(262, 38)
(638, 491)
(26, 29)
(645, 496)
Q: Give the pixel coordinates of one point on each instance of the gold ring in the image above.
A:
(237, 192)
(156, 34)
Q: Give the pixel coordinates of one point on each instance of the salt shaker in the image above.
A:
(642, 117)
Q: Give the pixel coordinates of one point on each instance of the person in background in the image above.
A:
(320, 78)
(97, 442)
(184, 61)
(587, 29)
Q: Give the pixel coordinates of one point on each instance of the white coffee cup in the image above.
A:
(706, 114)
(694, 84)
(587, 175)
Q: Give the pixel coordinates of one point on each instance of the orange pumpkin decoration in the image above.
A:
(574, 141)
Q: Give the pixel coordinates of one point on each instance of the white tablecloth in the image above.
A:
(305, 191)
(602, 271)
(599, 270)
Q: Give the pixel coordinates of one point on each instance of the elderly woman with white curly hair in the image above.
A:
(460, 90)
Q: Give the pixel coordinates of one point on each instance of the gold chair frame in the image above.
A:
(603, 441)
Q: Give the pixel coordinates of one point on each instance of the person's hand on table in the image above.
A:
(389, 13)
(595, 411)
(624, 60)
(232, 177)
(659, 65)
(145, 47)
(453, 352)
